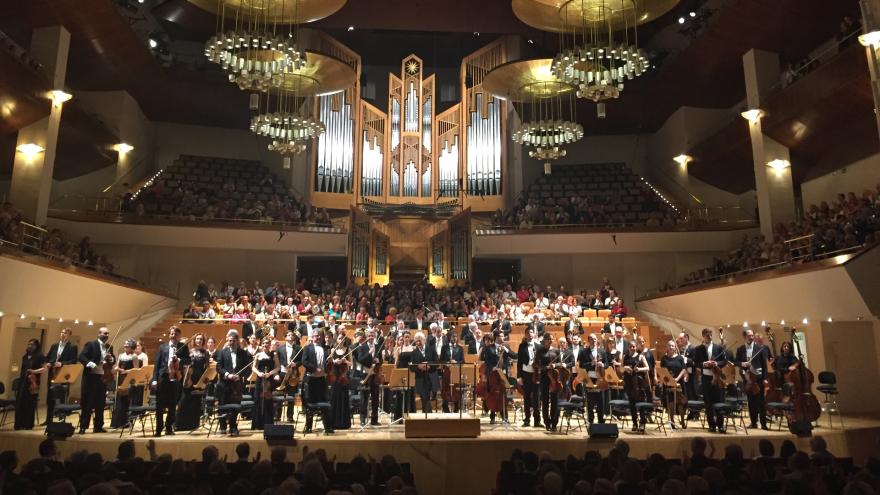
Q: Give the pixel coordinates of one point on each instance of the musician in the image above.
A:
(265, 367)
(125, 362)
(314, 357)
(419, 324)
(389, 355)
(594, 359)
(637, 385)
(493, 356)
(566, 359)
(249, 327)
(674, 362)
(649, 358)
(368, 356)
(211, 349)
(418, 361)
(502, 324)
(686, 350)
(171, 357)
(526, 378)
(441, 321)
(786, 360)
(752, 357)
(475, 339)
(60, 353)
(550, 359)
(290, 357)
(537, 325)
(340, 391)
(451, 353)
(573, 325)
(32, 367)
(620, 345)
(189, 411)
(308, 327)
(94, 355)
(404, 399)
(231, 363)
(707, 357)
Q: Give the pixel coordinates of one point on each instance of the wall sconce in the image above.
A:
(123, 148)
(870, 39)
(753, 115)
(683, 159)
(30, 149)
(59, 96)
(779, 165)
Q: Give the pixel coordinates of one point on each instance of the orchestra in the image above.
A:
(337, 381)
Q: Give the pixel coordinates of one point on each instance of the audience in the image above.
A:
(846, 35)
(89, 473)
(53, 245)
(204, 188)
(694, 474)
(849, 222)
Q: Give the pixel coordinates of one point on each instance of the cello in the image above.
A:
(773, 389)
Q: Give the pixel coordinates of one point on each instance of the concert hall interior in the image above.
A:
(460, 246)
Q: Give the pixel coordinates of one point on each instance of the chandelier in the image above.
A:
(598, 41)
(546, 106)
(258, 40)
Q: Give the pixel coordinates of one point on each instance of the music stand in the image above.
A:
(398, 379)
(207, 377)
(665, 378)
(66, 375)
(387, 369)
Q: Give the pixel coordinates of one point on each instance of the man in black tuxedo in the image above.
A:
(94, 355)
(594, 360)
(419, 324)
(368, 355)
(249, 327)
(573, 325)
(419, 360)
(315, 392)
(752, 357)
(308, 327)
(526, 368)
(232, 362)
(536, 326)
(475, 339)
(451, 353)
(60, 353)
(707, 357)
(502, 324)
(170, 354)
(290, 357)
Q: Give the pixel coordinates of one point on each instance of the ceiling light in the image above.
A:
(30, 149)
(829, 320)
(42, 318)
(692, 14)
(763, 323)
(123, 148)
(90, 323)
(1, 314)
(753, 115)
(745, 324)
(805, 321)
(76, 322)
(531, 42)
(21, 316)
(779, 164)
(683, 159)
(59, 96)
(350, 29)
(60, 320)
(476, 33)
(870, 39)
(153, 43)
(681, 20)
(782, 322)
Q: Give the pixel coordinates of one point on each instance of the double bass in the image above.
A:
(773, 388)
(806, 406)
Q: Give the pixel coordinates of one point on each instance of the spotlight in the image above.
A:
(681, 20)
(745, 324)
(531, 42)
(123, 148)
(21, 316)
(42, 318)
(153, 43)
(60, 320)
(30, 149)
(805, 321)
(476, 33)
(76, 322)
(350, 29)
(90, 323)
(59, 96)
(763, 323)
(692, 14)
(830, 320)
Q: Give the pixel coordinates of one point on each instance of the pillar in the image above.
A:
(32, 172)
(871, 24)
(773, 186)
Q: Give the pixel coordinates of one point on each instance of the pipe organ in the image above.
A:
(335, 168)
(485, 137)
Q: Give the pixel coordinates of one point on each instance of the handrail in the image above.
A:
(614, 226)
(802, 69)
(167, 220)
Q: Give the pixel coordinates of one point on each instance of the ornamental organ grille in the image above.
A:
(437, 255)
(381, 254)
(485, 129)
(360, 245)
(372, 156)
(335, 169)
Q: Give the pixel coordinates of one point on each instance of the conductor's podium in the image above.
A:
(441, 425)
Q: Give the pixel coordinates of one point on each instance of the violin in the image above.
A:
(108, 374)
(33, 384)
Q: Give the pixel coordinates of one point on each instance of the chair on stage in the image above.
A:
(141, 414)
(696, 408)
(6, 406)
(778, 411)
(574, 407)
(828, 386)
(222, 411)
(316, 410)
(653, 411)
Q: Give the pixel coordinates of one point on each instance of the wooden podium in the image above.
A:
(441, 425)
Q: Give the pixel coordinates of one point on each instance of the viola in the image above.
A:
(33, 384)
(107, 367)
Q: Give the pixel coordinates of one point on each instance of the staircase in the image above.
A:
(157, 334)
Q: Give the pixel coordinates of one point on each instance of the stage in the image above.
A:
(456, 465)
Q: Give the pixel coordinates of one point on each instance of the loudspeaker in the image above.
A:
(603, 430)
(801, 428)
(277, 432)
(59, 430)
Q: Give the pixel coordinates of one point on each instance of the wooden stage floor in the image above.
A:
(453, 465)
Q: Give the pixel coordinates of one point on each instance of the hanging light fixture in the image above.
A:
(598, 41)
(546, 106)
(258, 40)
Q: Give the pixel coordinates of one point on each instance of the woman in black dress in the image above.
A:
(388, 356)
(636, 384)
(340, 390)
(266, 366)
(189, 410)
(674, 362)
(32, 367)
(125, 362)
